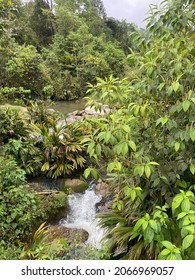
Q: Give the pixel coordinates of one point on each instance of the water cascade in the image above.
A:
(81, 214)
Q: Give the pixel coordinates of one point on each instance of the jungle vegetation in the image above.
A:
(145, 145)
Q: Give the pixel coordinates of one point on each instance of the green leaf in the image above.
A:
(168, 245)
(192, 168)
(143, 110)
(186, 105)
(145, 225)
(148, 235)
(126, 128)
(165, 252)
(175, 86)
(124, 148)
(118, 165)
(153, 225)
(95, 174)
(87, 172)
(177, 201)
(139, 170)
(187, 241)
(98, 149)
(172, 257)
(136, 110)
(156, 182)
(164, 120)
(192, 134)
(120, 205)
(138, 224)
(185, 205)
(111, 166)
(181, 215)
(147, 171)
(107, 136)
(190, 228)
(177, 146)
(132, 145)
(90, 149)
(153, 163)
(133, 195)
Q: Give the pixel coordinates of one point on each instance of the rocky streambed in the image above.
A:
(71, 206)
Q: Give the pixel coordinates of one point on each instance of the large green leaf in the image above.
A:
(187, 241)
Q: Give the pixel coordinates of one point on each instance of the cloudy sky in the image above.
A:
(132, 10)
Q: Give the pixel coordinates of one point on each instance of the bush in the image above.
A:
(12, 124)
(17, 203)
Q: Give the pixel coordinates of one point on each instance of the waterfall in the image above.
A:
(81, 214)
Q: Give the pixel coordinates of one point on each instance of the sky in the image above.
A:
(133, 11)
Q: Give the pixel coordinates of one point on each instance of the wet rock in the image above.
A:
(102, 188)
(75, 185)
(92, 111)
(88, 112)
(69, 234)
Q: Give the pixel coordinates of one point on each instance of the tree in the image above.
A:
(148, 142)
(24, 69)
(5, 14)
(42, 22)
(122, 32)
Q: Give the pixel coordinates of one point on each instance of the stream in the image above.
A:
(65, 107)
(81, 206)
(81, 214)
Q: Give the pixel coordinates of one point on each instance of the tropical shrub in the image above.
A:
(18, 95)
(12, 124)
(63, 152)
(17, 203)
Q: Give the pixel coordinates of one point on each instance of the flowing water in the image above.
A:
(81, 206)
(81, 214)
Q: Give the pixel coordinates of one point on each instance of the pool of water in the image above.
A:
(65, 107)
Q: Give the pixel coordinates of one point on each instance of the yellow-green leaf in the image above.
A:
(132, 145)
(192, 134)
(186, 105)
(147, 171)
(192, 169)
(175, 86)
(177, 146)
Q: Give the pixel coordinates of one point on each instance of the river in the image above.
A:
(65, 107)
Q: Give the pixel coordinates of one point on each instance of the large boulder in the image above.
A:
(52, 205)
(71, 235)
(74, 185)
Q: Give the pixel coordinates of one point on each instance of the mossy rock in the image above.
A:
(74, 185)
(69, 234)
(52, 207)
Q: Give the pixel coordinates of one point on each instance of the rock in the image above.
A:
(88, 112)
(71, 235)
(53, 206)
(76, 185)
(102, 188)
(92, 111)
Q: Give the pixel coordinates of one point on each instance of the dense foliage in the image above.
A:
(144, 147)
(147, 142)
(53, 52)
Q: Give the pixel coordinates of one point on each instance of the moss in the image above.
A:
(74, 185)
(52, 207)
